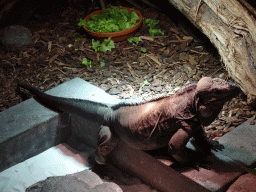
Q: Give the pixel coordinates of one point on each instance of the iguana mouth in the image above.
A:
(234, 86)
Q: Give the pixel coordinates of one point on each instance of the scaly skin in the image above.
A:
(168, 121)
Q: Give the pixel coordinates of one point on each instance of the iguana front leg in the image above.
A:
(182, 157)
(204, 145)
(176, 145)
(179, 140)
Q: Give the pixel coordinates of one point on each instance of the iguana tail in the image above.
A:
(93, 110)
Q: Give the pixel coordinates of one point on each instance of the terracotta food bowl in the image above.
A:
(115, 36)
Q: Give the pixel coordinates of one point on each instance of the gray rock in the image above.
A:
(85, 181)
(158, 89)
(15, 36)
(131, 79)
(105, 87)
(114, 91)
(139, 72)
(106, 73)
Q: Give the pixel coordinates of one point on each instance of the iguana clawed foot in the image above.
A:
(206, 145)
(197, 158)
(215, 145)
(205, 149)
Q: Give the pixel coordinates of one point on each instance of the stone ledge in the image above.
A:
(33, 141)
(240, 144)
(28, 128)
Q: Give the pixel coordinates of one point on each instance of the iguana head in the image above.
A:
(210, 96)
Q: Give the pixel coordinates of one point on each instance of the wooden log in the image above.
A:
(231, 27)
(151, 171)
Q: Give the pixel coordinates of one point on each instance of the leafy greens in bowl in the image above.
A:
(119, 23)
(111, 20)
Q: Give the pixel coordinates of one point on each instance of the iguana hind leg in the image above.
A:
(106, 143)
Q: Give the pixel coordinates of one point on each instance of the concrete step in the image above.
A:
(240, 144)
(29, 128)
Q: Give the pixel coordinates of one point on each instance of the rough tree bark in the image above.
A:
(231, 27)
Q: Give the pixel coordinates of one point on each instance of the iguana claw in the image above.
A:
(215, 145)
(199, 163)
(206, 145)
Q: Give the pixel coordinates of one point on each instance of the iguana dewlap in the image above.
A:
(168, 121)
